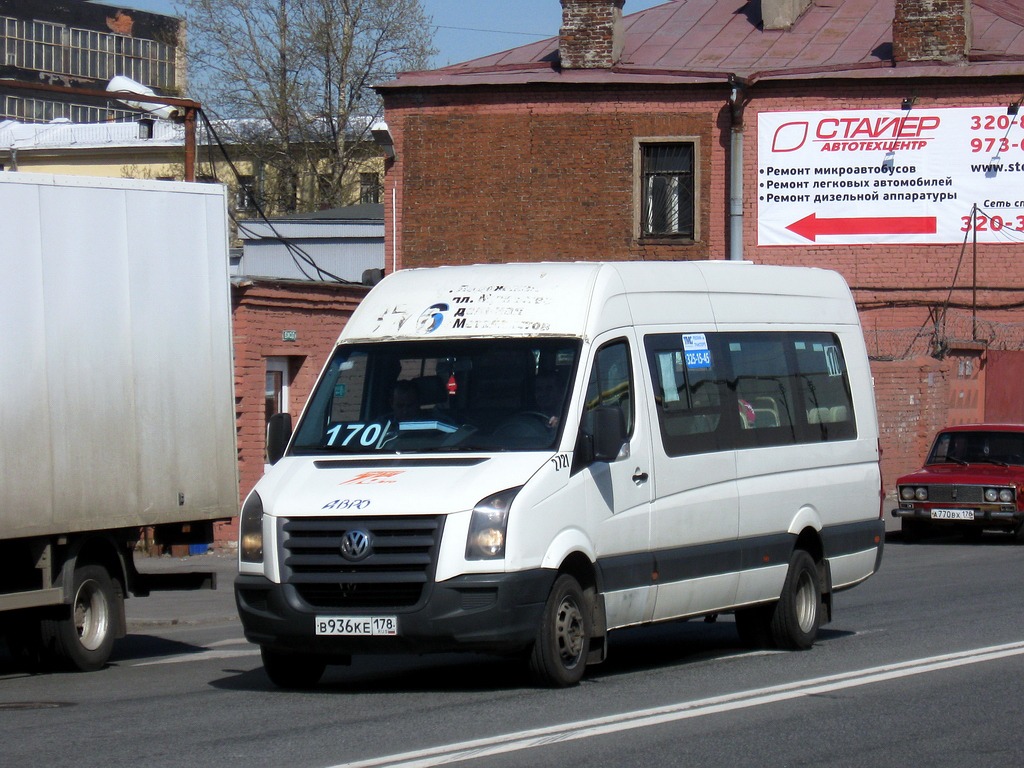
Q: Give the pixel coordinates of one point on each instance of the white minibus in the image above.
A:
(522, 458)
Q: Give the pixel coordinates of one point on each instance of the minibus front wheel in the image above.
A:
(559, 655)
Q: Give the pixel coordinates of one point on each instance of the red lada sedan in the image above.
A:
(972, 480)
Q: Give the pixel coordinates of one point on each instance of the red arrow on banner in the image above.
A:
(811, 226)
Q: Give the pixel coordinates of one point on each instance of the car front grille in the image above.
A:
(958, 494)
(400, 563)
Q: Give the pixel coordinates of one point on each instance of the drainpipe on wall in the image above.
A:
(736, 97)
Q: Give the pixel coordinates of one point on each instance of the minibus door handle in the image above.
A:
(639, 477)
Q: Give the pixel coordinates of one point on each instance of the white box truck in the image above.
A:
(117, 406)
(522, 458)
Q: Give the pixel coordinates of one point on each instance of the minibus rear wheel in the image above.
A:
(797, 615)
(559, 655)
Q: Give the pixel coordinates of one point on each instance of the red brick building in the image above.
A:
(675, 133)
(292, 322)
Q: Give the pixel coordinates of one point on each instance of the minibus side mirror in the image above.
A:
(609, 433)
(601, 436)
(279, 432)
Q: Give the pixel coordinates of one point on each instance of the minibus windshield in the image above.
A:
(440, 396)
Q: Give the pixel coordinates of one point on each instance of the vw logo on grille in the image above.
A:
(355, 545)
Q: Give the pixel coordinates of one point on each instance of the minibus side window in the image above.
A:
(691, 392)
(611, 382)
(723, 391)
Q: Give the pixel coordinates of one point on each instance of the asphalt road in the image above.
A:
(921, 666)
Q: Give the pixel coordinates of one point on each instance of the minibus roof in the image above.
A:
(580, 299)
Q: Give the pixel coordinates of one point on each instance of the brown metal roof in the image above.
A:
(693, 41)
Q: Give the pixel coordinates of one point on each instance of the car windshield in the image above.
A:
(980, 447)
(440, 396)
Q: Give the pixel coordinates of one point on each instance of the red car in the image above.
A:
(972, 480)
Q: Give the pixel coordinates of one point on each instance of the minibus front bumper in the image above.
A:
(495, 613)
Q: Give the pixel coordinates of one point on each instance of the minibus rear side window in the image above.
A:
(724, 391)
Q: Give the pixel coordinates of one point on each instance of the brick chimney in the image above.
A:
(782, 14)
(931, 30)
(591, 34)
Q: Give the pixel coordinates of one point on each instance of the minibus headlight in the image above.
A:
(991, 495)
(250, 530)
(486, 539)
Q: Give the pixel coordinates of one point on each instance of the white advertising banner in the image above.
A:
(890, 176)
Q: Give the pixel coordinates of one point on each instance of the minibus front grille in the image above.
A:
(366, 562)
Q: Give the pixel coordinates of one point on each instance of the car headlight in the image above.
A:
(250, 530)
(486, 539)
(921, 494)
(1006, 495)
(991, 495)
(906, 493)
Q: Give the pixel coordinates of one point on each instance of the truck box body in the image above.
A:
(117, 381)
(117, 406)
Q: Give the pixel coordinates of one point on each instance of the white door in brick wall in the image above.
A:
(278, 379)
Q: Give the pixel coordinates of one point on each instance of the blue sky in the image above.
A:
(468, 29)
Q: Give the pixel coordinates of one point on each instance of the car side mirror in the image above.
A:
(279, 432)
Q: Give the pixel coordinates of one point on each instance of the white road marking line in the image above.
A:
(600, 726)
(199, 656)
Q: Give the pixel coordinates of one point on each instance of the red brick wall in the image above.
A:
(520, 175)
(911, 396)
(261, 312)
(547, 179)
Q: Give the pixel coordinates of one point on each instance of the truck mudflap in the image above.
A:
(493, 613)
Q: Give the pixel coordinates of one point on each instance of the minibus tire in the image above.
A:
(559, 655)
(292, 671)
(83, 636)
(797, 615)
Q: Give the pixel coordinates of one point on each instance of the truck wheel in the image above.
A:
(292, 671)
(559, 655)
(797, 615)
(83, 639)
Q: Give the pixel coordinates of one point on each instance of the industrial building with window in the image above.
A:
(83, 45)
